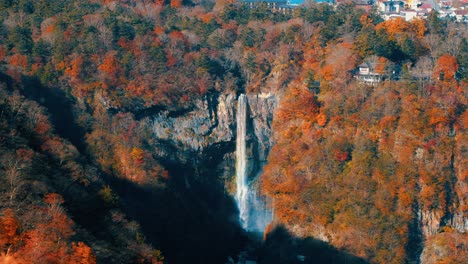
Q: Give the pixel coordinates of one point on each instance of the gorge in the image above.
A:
(225, 139)
(242, 128)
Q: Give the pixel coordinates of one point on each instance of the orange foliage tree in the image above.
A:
(446, 65)
(176, 3)
(49, 240)
(75, 68)
(395, 26)
(81, 254)
(9, 225)
(418, 26)
(46, 242)
(19, 60)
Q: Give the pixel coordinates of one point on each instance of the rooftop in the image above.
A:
(426, 6)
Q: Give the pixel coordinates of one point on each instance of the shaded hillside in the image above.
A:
(52, 197)
(281, 247)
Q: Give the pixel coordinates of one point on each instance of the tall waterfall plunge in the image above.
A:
(242, 188)
(253, 214)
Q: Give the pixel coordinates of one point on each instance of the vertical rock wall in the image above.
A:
(210, 129)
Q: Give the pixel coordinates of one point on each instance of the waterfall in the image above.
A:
(241, 161)
(253, 213)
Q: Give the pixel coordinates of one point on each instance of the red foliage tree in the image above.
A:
(81, 254)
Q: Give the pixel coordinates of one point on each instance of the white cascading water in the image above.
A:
(253, 213)
(241, 161)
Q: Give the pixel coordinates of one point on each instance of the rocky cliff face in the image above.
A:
(459, 220)
(430, 222)
(446, 233)
(211, 125)
(212, 121)
(261, 108)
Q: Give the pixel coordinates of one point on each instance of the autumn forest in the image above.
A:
(117, 133)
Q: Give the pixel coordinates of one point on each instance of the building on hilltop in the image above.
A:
(366, 73)
(461, 15)
(273, 4)
(388, 9)
(412, 4)
(279, 5)
(392, 6)
(283, 6)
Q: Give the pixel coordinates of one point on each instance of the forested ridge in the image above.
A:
(377, 170)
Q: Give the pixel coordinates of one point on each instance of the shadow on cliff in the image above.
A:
(196, 224)
(281, 247)
(57, 103)
(191, 222)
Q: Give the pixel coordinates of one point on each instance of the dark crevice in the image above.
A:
(415, 243)
(154, 110)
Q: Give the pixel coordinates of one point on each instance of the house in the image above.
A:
(364, 69)
(366, 73)
(282, 6)
(426, 7)
(391, 6)
(461, 15)
(272, 4)
(412, 4)
(285, 9)
(409, 15)
(446, 4)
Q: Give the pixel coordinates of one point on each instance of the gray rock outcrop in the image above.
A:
(210, 129)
